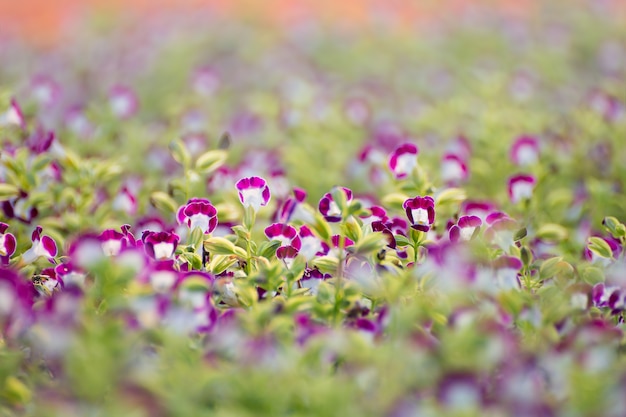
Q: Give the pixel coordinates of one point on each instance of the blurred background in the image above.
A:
(46, 22)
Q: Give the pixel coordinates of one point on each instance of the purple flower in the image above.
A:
(287, 235)
(13, 116)
(453, 169)
(403, 160)
(253, 192)
(160, 245)
(421, 212)
(123, 102)
(76, 120)
(525, 151)
(205, 81)
(521, 187)
(7, 244)
(379, 226)
(329, 208)
(43, 246)
(312, 278)
(293, 208)
(465, 228)
(311, 245)
(45, 90)
(125, 201)
(198, 212)
(287, 254)
(506, 270)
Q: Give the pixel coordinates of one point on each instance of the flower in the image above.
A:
(112, 242)
(525, 151)
(465, 228)
(160, 245)
(329, 208)
(198, 212)
(403, 160)
(43, 246)
(521, 187)
(287, 254)
(253, 192)
(13, 116)
(453, 169)
(123, 101)
(125, 201)
(7, 244)
(311, 245)
(421, 212)
(287, 235)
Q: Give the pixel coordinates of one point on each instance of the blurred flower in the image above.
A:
(525, 151)
(123, 102)
(7, 244)
(403, 160)
(285, 234)
(42, 247)
(521, 187)
(13, 116)
(453, 169)
(465, 228)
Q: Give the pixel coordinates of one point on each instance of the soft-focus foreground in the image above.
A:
(207, 219)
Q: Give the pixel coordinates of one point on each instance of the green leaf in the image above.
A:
(450, 196)
(600, 247)
(614, 227)
(222, 246)
(163, 202)
(549, 268)
(210, 161)
(552, 232)
(370, 243)
(8, 191)
(180, 153)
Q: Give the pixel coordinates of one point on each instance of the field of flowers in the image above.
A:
(226, 220)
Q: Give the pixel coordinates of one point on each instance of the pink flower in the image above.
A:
(521, 187)
(453, 169)
(525, 151)
(420, 212)
(253, 192)
(465, 228)
(160, 245)
(329, 208)
(123, 102)
(198, 212)
(7, 244)
(13, 116)
(287, 235)
(43, 246)
(403, 160)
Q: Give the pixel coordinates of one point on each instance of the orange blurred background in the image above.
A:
(44, 21)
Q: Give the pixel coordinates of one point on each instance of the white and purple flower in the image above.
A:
(521, 187)
(198, 212)
(466, 228)
(160, 245)
(13, 116)
(403, 160)
(287, 235)
(123, 102)
(453, 169)
(329, 207)
(420, 212)
(525, 151)
(253, 192)
(7, 244)
(42, 247)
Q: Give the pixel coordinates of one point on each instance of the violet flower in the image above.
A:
(43, 246)
(287, 235)
(465, 228)
(198, 212)
(329, 208)
(521, 187)
(403, 160)
(7, 244)
(160, 245)
(123, 102)
(525, 151)
(253, 192)
(420, 212)
(13, 116)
